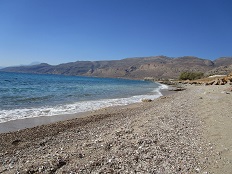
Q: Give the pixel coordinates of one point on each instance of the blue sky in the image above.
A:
(59, 31)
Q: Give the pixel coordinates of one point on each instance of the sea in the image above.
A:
(34, 95)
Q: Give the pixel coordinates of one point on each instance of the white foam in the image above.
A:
(78, 107)
(161, 87)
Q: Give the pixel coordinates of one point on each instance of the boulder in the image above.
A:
(210, 82)
(216, 82)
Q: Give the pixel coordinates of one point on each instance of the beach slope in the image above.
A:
(186, 132)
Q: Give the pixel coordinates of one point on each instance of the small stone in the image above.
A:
(146, 100)
(16, 142)
(81, 155)
(11, 166)
(197, 170)
(41, 169)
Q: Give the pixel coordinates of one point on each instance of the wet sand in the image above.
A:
(15, 125)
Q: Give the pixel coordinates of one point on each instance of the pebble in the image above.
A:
(162, 136)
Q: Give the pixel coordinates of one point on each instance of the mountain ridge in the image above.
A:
(158, 67)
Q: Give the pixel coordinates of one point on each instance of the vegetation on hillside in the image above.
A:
(191, 75)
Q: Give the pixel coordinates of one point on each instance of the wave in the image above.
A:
(77, 107)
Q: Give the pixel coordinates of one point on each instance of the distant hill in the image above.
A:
(159, 67)
(223, 66)
(223, 61)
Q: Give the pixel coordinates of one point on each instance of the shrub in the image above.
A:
(191, 75)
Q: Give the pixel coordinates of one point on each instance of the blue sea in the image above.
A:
(33, 95)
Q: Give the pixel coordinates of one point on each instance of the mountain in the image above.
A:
(159, 67)
(223, 61)
(34, 63)
(223, 66)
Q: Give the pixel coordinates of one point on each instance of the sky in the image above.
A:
(60, 31)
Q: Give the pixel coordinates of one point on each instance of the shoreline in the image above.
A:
(77, 106)
(146, 137)
(186, 132)
(58, 102)
(20, 124)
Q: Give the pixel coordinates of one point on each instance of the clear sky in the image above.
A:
(59, 31)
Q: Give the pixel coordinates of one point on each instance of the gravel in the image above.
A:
(161, 136)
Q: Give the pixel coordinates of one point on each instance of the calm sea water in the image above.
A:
(32, 95)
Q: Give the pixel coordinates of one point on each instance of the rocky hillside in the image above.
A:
(159, 67)
(223, 61)
(222, 70)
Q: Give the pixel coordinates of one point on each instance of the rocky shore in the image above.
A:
(173, 134)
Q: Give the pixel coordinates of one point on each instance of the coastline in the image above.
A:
(20, 124)
(75, 95)
(186, 132)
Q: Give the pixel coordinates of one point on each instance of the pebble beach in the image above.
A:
(184, 132)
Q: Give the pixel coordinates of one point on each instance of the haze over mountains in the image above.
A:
(159, 67)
